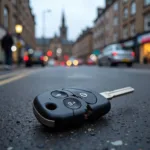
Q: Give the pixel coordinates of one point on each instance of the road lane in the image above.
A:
(127, 122)
(10, 77)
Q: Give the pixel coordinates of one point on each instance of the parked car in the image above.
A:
(36, 57)
(90, 62)
(115, 54)
(51, 62)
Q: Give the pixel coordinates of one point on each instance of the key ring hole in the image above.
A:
(51, 106)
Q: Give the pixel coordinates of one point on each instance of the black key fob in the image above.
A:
(69, 106)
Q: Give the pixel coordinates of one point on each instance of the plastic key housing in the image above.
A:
(97, 105)
(48, 108)
(69, 106)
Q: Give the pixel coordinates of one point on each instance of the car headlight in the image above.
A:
(69, 63)
(75, 62)
(45, 58)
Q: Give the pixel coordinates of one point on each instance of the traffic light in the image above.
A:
(49, 53)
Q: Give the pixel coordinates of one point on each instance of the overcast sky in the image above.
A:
(79, 15)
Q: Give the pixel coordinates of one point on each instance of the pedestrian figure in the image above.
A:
(7, 43)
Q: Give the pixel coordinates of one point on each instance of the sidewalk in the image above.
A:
(14, 67)
(1, 67)
(141, 66)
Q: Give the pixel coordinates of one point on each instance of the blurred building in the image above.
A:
(82, 48)
(109, 2)
(60, 45)
(135, 27)
(112, 23)
(42, 44)
(106, 29)
(126, 22)
(14, 12)
(99, 30)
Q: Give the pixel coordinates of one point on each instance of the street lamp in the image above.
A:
(13, 48)
(19, 29)
(44, 26)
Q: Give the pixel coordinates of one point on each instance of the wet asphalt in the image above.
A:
(125, 127)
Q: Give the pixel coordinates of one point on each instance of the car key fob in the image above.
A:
(69, 106)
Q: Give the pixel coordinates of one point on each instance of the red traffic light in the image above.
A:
(49, 53)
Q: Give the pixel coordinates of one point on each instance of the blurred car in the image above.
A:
(115, 54)
(62, 63)
(51, 62)
(90, 62)
(35, 57)
(72, 62)
(80, 61)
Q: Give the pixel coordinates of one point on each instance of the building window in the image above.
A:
(125, 32)
(126, 13)
(147, 2)
(116, 7)
(14, 2)
(147, 22)
(115, 37)
(115, 21)
(133, 8)
(107, 15)
(109, 2)
(132, 29)
(6, 17)
(14, 21)
(125, 1)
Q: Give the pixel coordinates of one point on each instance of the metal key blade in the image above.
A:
(119, 92)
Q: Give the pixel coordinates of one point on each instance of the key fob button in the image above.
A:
(59, 94)
(72, 103)
(87, 96)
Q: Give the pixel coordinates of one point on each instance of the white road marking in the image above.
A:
(8, 75)
(10, 148)
(140, 71)
(16, 76)
(79, 76)
(117, 143)
(9, 80)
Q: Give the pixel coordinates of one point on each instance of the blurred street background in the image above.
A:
(55, 34)
(101, 45)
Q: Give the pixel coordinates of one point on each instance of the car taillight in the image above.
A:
(114, 53)
(62, 63)
(42, 58)
(26, 58)
(133, 54)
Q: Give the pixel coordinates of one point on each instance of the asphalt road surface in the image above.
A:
(125, 127)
